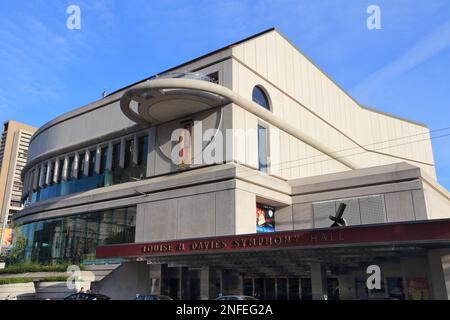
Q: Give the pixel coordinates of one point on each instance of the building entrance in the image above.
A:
(279, 288)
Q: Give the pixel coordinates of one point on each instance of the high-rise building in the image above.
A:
(13, 157)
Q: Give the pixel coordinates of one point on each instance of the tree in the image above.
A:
(17, 253)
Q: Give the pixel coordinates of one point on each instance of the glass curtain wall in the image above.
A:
(134, 168)
(74, 238)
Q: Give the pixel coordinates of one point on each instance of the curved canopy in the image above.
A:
(162, 100)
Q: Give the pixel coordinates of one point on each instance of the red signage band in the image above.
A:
(400, 232)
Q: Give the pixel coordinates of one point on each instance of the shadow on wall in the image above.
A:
(125, 282)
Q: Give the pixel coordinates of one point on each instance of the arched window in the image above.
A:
(260, 97)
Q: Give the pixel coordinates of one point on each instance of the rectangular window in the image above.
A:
(37, 178)
(143, 151)
(80, 166)
(116, 156)
(92, 156)
(262, 149)
(129, 148)
(103, 156)
(52, 172)
(70, 168)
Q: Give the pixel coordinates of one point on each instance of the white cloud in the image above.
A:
(419, 53)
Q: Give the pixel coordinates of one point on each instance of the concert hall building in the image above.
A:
(246, 171)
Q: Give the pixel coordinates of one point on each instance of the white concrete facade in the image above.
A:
(324, 149)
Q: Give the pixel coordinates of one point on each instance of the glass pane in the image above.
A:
(248, 287)
(260, 98)
(270, 289)
(262, 148)
(282, 289)
(70, 168)
(116, 156)
(143, 151)
(294, 289)
(103, 156)
(306, 289)
(92, 157)
(129, 148)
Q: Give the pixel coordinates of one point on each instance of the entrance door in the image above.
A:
(270, 289)
(294, 289)
(333, 289)
(259, 288)
(173, 288)
(282, 292)
(248, 287)
(190, 284)
(306, 289)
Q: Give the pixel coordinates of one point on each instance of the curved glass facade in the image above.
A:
(89, 170)
(75, 237)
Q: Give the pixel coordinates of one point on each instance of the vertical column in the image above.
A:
(439, 267)
(42, 176)
(204, 283)
(98, 160)
(318, 281)
(180, 283)
(87, 156)
(65, 171)
(109, 156)
(47, 176)
(155, 278)
(76, 164)
(445, 260)
(35, 179)
(55, 171)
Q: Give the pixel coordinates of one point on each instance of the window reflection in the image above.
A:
(92, 157)
(77, 181)
(74, 238)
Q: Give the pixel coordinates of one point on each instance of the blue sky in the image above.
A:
(47, 69)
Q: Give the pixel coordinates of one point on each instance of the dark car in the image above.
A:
(87, 296)
(152, 297)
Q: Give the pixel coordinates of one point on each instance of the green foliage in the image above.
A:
(14, 280)
(17, 253)
(54, 279)
(26, 280)
(35, 267)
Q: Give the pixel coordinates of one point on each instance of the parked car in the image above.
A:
(236, 298)
(152, 297)
(86, 296)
